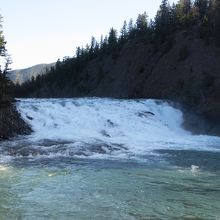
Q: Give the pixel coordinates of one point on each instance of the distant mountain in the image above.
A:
(22, 75)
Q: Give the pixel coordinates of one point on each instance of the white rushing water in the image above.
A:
(104, 128)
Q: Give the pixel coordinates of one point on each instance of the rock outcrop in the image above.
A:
(11, 123)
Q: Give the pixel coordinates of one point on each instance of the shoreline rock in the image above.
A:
(11, 123)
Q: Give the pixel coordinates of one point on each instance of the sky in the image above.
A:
(41, 31)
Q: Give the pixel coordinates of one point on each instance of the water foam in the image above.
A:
(93, 127)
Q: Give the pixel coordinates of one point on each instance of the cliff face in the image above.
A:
(185, 69)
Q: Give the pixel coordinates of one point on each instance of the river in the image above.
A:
(92, 158)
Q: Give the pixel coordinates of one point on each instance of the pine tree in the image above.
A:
(142, 23)
(101, 41)
(78, 52)
(5, 83)
(163, 20)
(92, 45)
(187, 5)
(202, 7)
(2, 41)
(184, 13)
(131, 28)
(124, 31)
(112, 39)
(216, 21)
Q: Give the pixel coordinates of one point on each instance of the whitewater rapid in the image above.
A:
(102, 128)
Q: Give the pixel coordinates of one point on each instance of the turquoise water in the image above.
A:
(162, 187)
(108, 159)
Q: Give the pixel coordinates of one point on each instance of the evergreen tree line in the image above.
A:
(205, 14)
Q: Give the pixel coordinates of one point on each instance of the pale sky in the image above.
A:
(41, 31)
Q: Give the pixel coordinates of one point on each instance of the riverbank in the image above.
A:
(11, 123)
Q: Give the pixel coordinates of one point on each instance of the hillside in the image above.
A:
(176, 57)
(23, 75)
(140, 71)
